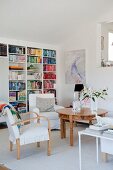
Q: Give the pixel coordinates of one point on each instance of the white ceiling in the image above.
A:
(48, 21)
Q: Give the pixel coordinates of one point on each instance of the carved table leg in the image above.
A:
(71, 130)
(61, 128)
(64, 129)
(90, 122)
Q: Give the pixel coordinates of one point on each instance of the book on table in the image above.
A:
(99, 127)
(108, 133)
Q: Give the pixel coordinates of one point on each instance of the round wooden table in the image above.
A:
(67, 114)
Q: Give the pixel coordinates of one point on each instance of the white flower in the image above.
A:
(93, 94)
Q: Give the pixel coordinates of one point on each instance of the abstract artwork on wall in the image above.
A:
(75, 67)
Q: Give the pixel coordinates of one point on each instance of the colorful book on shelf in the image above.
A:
(49, 53)
(12, 85)
(49, 68)
(21, 96)
(49, 76)
(21, 86)
(16, 67)
(21, 109)
(16, 49)
(12, 96)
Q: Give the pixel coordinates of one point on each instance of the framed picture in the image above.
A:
(75, 67)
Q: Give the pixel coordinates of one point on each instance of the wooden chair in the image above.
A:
(29, 133)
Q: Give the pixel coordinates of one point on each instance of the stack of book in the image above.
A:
(49, 53)
(16, 49)
(108, 133)
(21, 96)
(34, 85)
(17, 58)
(12, 96)
(33, 51)
(48, 84)
(49, 60)
(49, 67)
(96, 129)
(49, 76)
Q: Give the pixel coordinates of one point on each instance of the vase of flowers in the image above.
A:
(94, 104)
(93, 96)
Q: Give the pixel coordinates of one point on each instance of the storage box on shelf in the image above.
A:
(49, 71)
(3, 50)
(17, 77)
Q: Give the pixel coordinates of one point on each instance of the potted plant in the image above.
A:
(93, 95)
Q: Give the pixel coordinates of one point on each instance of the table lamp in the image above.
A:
(78, 88)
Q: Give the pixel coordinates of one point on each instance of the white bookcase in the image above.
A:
(29, 70)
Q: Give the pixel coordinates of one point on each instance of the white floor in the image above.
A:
(63, 156)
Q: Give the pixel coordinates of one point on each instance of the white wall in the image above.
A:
(85, 37)
(4, 83)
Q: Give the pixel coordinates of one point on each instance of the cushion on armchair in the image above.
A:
(45, 104)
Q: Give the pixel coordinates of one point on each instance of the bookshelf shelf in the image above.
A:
(48, 64)
(19, 101)
(16, 80)
(34, 79)
(48, 79)
(48, 57)
(18, 70)
(33, 89)
(49, 71)
(16, 62)
(17, 54)
(32, 70)
(34, 63)
(48, 88)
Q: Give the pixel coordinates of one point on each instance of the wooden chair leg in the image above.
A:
(18, 148)
(11, 146)
(49, 148)
(38, 144)
(104, 156)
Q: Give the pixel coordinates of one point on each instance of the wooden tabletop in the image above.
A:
(82, 112)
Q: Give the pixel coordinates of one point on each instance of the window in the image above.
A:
(110, 46)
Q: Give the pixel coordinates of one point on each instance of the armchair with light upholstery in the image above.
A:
(28, 133)
(52, 116)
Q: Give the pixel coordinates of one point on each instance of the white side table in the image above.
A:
(84, 132)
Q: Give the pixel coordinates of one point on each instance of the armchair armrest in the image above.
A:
(28, 113)
(22, 122)
(36, 110)
(56, 107)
